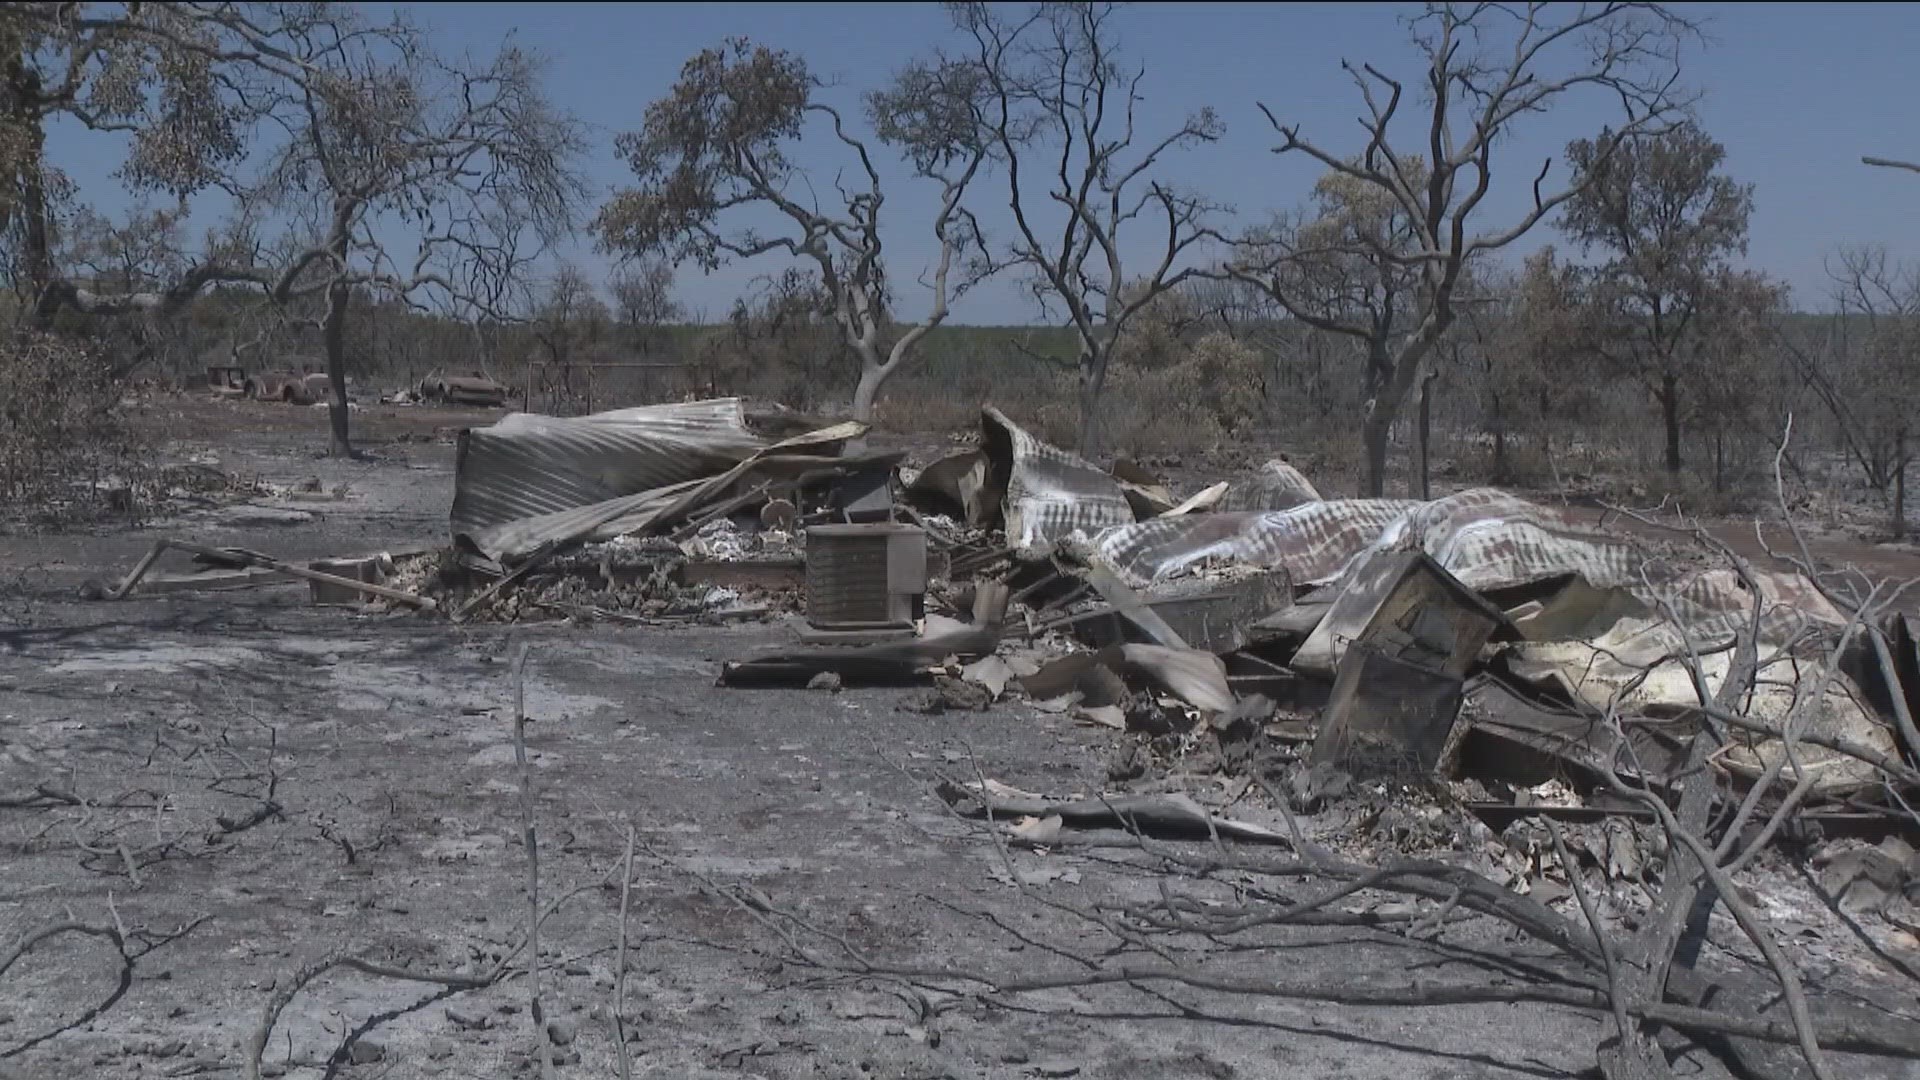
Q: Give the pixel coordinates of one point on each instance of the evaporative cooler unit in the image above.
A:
(866, 577)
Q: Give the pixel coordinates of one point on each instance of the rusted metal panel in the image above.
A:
(1409, 607)
(1219, 618)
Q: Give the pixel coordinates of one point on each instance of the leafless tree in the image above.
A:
(1487, 67)
(718, 148)
(1082, 181)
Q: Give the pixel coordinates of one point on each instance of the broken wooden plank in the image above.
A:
(267, 562)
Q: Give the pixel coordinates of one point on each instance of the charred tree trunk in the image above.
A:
(1670, 412)
(1092, 379)
(1376, 426)
(335, 333)
(36, 256)
(1375, 432)
(1425, 437)
(1498, 422)
(24, 95)
(1900, 485)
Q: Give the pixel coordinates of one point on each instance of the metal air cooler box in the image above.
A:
(866, 577)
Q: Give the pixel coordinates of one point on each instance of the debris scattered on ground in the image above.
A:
(1357, 656)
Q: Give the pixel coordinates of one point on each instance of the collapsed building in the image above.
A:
(1477, 637)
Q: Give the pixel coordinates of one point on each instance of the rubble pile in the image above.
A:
(1428, 677)
(641, 582)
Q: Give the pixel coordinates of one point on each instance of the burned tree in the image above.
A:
(385, 140)
(643, 303)
(150, 71)
(1058, 115)
(380, 139)
(1340, 268)
(1862, 368)
(570, 323)
(718, 148)
(1667, 224)
(1487, 67)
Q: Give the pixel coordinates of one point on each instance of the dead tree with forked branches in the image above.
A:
(1488, 68)
(1057, 113)
(719, 147)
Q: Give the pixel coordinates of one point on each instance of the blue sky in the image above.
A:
(1796, 92)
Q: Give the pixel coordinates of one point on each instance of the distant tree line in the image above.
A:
(392, 214)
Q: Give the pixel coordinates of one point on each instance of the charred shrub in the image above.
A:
(65, 447)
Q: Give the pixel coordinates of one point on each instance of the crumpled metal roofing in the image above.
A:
(1049, 493)
(1637, 665)
(788, 458)
(1313, 542)
(530, 466)
(1490, 539)
(1276, 486)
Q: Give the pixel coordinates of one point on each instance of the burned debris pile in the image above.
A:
(1474, 706)
(1479, 646)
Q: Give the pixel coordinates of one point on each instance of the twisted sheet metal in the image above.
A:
(1050, 493)
(789, 458)
(1490, 539)
(1276, 486)
(531, 466)
(1313, 542)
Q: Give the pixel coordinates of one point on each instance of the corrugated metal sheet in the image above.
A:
(529, 466)
(536, 469)
(598, 521)
(640, 512)
(1490, 539)
(1313, 542)
(1276, 486)
(1049, 493)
